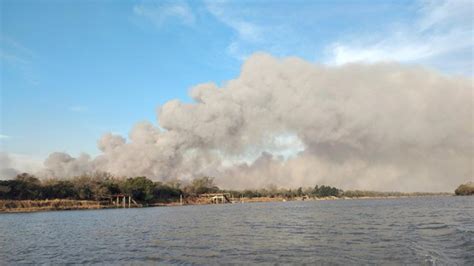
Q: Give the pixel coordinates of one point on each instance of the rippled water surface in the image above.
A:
(428, 230)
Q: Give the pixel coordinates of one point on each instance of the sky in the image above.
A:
(72, 71)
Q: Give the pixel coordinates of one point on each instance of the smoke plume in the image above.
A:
(292, 123)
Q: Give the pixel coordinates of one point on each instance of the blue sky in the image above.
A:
(74, 70)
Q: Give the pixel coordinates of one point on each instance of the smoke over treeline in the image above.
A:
(291, 123)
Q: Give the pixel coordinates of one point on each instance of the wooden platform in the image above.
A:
(217, 198)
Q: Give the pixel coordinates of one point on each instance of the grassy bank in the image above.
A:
(9, 206)
(50, 205)
(28, 193)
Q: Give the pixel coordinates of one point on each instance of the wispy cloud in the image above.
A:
(246, 32)
(12, 58)
(10, 43)
(15, 55)
(13, 52)
(3, 137)
(433, 33)
(78, 108)
(440, 30)
(160, 12)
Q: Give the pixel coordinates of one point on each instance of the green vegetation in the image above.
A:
(201, 186)
(94, 187)
(101, 186)
(274, 192)
(465, 189)
(326, 191)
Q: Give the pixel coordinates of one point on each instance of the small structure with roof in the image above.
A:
(217, 198)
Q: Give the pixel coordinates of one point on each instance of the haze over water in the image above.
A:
(426, 230)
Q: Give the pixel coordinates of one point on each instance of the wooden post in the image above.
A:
(118, 201)
(129, 201)
(181, 199)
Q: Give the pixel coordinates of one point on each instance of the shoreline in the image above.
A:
(27, 206)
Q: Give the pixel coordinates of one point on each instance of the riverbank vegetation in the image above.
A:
(87, 187)
(465, 189)
(101, 186)
(48, 205)
(97, 190)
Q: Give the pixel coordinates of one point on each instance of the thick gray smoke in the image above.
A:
(6, 166)
(292, 123)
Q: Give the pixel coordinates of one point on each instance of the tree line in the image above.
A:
(87, 187)
(274, 192)
(100, 186)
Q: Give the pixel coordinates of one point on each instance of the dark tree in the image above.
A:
(140, 188)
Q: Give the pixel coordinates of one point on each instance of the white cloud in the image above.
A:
(442, 29)
(445, 13)
(159, 13)
(4, 137)
(437, 34)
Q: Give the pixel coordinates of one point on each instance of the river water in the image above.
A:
(427, 230)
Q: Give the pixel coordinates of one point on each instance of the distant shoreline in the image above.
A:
(26, 206)
(27, 193)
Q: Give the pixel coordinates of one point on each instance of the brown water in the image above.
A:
(428, 230)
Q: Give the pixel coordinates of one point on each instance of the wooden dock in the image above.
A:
(123, 201)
